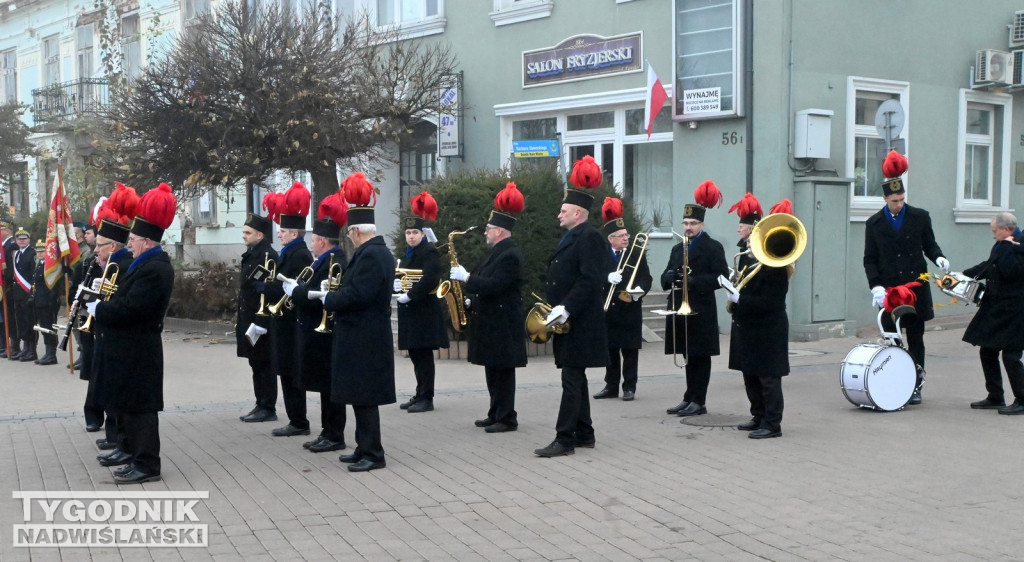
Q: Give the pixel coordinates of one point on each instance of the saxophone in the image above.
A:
(451, 291)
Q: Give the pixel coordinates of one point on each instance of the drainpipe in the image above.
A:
(748, 86)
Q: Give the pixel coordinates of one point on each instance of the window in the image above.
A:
(413, 18)
(131, 46)
(865, 148)
(195, 8)
(417, 159)
(507, 12)
(983, 155)
(51, 60)
(9, 72)
(83, 40)
(708, 58)
(204, 208)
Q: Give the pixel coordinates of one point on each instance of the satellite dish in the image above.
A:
(889, 120)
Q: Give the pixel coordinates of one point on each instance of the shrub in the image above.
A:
(208, 294)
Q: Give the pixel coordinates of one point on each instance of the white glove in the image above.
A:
(314, 295)
(253, 333)
(397, 288)
(459, 273)
(733, 297)
(403, 298)
(289, 286)
(943, 264)
(323, 286)
(91, 307)
(96, 284)
(878, 296)
(615, 277)
(468, 303)
(558, 315)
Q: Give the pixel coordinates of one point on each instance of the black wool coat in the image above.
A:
(314, 348)
(421, 321)
(25, 265)
(697, 335)
(497, 331)
(759, 343)
(577, 273)
(249, 293)
(624, 319)
(999, 322)
(90, 366)
(129, 350)
(893, 258)
(284, 358)
(363, 359)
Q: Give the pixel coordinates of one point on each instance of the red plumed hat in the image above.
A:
(784, 206)
(901, 295)
(295, 207)
(748, 209)
(424, 206)
(332, 214)
(586, 173)
(361, 194)
(508, 203)
(611, 212)
(125, 202)
(94, 218)
(894, 165)
(156, 212)
(272, 204)
(708, 195)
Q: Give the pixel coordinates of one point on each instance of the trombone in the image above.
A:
(627, 261)
(304, 276)
(271, 266)
(333, 282)
(684, 308)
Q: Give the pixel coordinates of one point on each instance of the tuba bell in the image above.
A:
(777, 240)
(537, 328)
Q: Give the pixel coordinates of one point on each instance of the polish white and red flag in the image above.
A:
(656, 97)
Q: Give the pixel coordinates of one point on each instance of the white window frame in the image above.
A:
(85, 52)
(428, 25)
(862, 207)
(10, 75)
(507, 12)
(45, 60)
(976, 210)
(126, 43)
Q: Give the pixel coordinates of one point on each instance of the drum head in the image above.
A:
(891, 377)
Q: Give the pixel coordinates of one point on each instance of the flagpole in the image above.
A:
(7, 326)
(67, 289)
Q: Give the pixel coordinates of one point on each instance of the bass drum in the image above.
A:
(880, 377)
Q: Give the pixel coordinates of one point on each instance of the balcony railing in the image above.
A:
(69, 100)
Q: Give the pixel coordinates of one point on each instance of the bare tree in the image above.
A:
(14, 145)
(244, 93)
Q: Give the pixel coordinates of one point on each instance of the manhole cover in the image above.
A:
(714, 420)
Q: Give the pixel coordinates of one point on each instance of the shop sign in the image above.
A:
(582, 57)
(535, 148)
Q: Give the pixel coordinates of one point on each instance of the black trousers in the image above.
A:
(423, 365)
(766, 403)
(501, 385)
(993, 377)
(46, 317)
(142, 437)
(294, 402)
(574, 424)
(264, 383)
(25, 318)
(914, 329)
(368, 445)
(332, 418)
(698, 377)
(627, 369)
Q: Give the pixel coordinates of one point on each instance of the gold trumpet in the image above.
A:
(108, 286)
(628, 261)
(408, 277)
(333, 282)
(271, 266)
(537, 328)
(277, 309)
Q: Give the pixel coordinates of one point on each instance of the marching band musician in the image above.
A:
(695, 336)
(363, 360)
(23, 267)
(129, 330)
(421, 315)
(293, 258)
(250, 327)
(497, 340)
(624, 317)
(6, 284)
(574, 282)
(314, 347)
(45, 301)
(87, 246)
(999, 322)
(895, 238)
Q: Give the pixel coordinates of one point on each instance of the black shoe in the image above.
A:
(764, 433)
(915, 398)
(310, 443)
(693, 409)
(248, 414)
(78, 365)
(751, 425)
(260, 415)
(136, 477)
(628, 396)
(122, 470)
(606, 393)
(116, 460)
(484, 422)
(421, 405)
(49, 357)
(102, 456)
(500, 427)
(289, 430)
(678, 407)
(405, 405)
(92, 427)
(104, 445)
(555, 449)
(354, 457)
(1014, 409)
(366, 465)
(988, 404)
(28, 355)
(325, 445)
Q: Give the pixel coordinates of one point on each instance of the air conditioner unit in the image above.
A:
(993, 66)
(1017, 29)
(1018, 67)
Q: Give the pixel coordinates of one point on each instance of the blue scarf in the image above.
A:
(895, 222)
(116, 255)
(323, 257)
(145, 256)
(289, 245)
